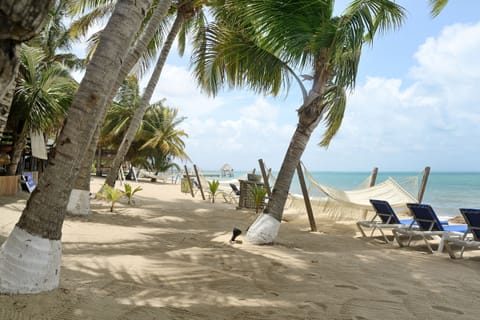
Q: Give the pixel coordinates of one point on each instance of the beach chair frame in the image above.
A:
(472, 218)
(428, 226)
(388, 220)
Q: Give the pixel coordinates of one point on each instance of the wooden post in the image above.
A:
(265, 177)
(423, 185)
(306, 198)
(373, 178)
(189, 182)
(199, 182)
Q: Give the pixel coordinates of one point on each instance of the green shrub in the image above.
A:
(110, 194)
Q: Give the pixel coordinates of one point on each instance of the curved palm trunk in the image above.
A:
(18, 23)
(265, 229)
(30, 257)
(79, 201)
(142, 108)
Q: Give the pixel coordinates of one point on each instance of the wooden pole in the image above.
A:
(306, 198)
(189, 182)
(423, 185)
(199, 181)
(373, 178)
(265, 177)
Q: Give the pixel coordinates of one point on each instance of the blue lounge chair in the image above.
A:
(472, 218)
(385, 218)
(427, 225)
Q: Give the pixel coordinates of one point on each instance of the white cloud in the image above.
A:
(424, 122)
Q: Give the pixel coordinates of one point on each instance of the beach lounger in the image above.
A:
(428, 225)
(472, 218)
(385, 218)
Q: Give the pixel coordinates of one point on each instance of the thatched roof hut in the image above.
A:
(226, 170)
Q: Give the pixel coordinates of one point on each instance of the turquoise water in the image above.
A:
(446, 191)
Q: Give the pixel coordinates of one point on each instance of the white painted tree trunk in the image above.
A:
(264, 230)
(29, 264)
(79, 202)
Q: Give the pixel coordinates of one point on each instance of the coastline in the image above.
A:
(169, 257)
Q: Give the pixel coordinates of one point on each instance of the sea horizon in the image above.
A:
(446, 191)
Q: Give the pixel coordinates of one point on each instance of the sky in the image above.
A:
(415, 104)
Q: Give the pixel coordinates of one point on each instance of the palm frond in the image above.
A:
(437, 6)
(334, 102)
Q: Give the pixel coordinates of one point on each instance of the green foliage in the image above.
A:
(110, 194)
(213, 187)
(259, 193)
(129, 192)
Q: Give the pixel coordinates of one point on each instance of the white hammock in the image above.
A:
(354, 204)
(388, 190)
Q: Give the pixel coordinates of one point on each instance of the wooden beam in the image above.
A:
(189, 182)
(423, 185)
(265, 177)
(199, 182)
(306, 198)
(373, 178)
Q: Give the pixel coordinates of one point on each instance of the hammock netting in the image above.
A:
(354, 204)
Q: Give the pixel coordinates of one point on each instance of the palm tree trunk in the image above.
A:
(30, 258)
(144, 103)
(18, 23)
(265, 229)
(18, 146)
(79, 201)
(5, 105)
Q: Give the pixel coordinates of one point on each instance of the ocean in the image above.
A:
(446, 192)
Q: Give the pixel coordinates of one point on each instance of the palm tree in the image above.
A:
(79, 202)
(40, 224)
(260, 43)
(19, 24)
(160, 140)
(42, 96)
(120, 114)
(185, 10)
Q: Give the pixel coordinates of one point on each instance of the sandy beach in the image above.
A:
(169, 257)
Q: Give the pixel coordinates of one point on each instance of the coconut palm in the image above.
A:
(42, 96)
(160, 131)
(79, 202)
(40, 224)
(261, 43)
(120, 114)
(185, 10)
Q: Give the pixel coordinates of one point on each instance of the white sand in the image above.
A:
(169, 257)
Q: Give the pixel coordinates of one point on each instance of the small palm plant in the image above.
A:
(213, 186)
(259, 193)
(110, 194)
(129, 192)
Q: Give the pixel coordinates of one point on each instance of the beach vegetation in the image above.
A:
(129, 192)
(213, 188)
(38, 99)
(111, 195)
(43, 93)
(158, 141)
(266, 45)
(259, 193)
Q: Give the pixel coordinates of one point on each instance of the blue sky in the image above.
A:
(415, 104)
